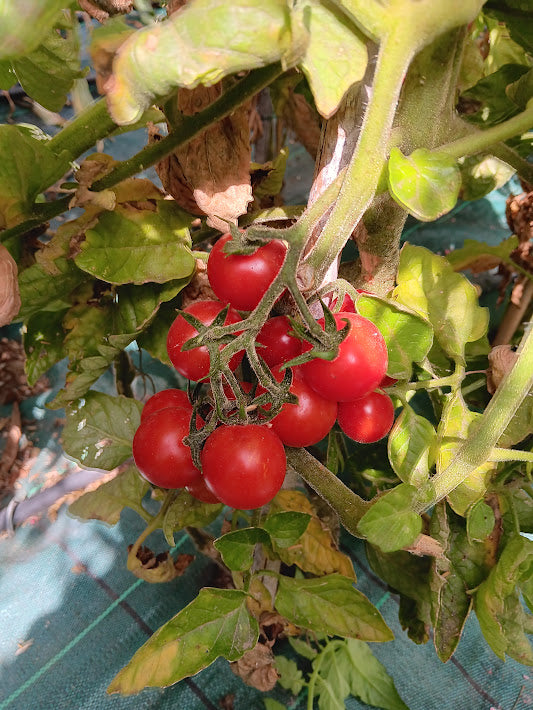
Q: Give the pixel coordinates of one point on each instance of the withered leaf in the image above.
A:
(256, 668)
(9, 289)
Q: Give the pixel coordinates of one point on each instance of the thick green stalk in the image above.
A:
(349, 507)
(368, 160)
(80, 134)
(480, 445)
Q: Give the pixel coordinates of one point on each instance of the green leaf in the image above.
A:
(216, 623)
(425, 183)
(480, 256)
(26, 168)
(369, 680)
(500, 612)
(481, 174)
(43, 343)
(48, 73)
(520, 426)
(332, 35)
(267, 179)
(271, 704)
(518, 19)
(333, 667)
(453, 575)
(187, 511)
(186, 51)
(480, 521)
(7, 75)
(428, 285)
(408, 336)
(302, 648)
(330, 605)
(410, 445)
(390, 523)
(24, 23)
(43, 291)
(130, 245)
(490, 92)
(287, 527)
(99, 429)
(290, 676)
(454, 429)
(108, 500)
(237, 547)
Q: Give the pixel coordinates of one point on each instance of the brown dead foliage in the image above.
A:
(501, 361)
(256, 668)
(9, 290)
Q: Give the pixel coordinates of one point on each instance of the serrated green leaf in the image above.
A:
(391, 523)
(185, 51)
(48, 73)
(237, 547)
(331, 35)
(24, 23)
(369, 679)
(42, 291)
(26, 168)
(330, 605)
(302, 648)
(408, 336)
(99, 429)
(410, 447)
(453, 575)
(137, 246)
(187, 511)
(43, 343)
(481, 174)
(287, 527)
(216, 623)
(480, 256)
(290, 676)
(497, 603)
(425, 183)
(108, 500)
(480, 521)
(428, 285)
(453, 430)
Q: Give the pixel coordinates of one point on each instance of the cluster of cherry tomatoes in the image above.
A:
(244, 465)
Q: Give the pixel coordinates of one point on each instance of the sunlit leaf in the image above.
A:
(481, 174)
(390, 523)
(425, 183)
(369, 679)
(99, 429)
(23, 24)
(216, 623)
(428, 285)
(330, 605)
(410, 447)
(480, 256)
(286, 528)
(108, 500)
(408, 336)
(237, 547)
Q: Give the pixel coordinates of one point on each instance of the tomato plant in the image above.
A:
(405, 108)
(242, 279)
(244, 466)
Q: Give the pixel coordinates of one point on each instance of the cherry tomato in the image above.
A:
(367, 419)
(387, 382)
(200, 491)
(159, 451)
(359, 366)
(164, 399)
(307, 422)
(279, 345)
(194, 364)
(244, 465)
(242, 279)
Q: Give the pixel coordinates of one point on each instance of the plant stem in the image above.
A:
(154, 525)
(80, 134)
(349, 506)
(479, 446)
(482, 140)
(511, 455)
(366, 165)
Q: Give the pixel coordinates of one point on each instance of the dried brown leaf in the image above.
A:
(256, 668)
(9, 289)
(501, 360)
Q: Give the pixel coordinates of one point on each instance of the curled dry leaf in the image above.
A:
(519, 213)
(256, 668)
(501, 360)
(214, 168)
(9, 289)
(101, 10)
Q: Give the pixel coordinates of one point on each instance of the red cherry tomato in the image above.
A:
(164, 399)
(368, 419)
(244, 466)
(307, 422)
(279, 345)
(241, 279)
(359, 366)
(159, 451)
(387, 382)
(200, 491)
(194, 364)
